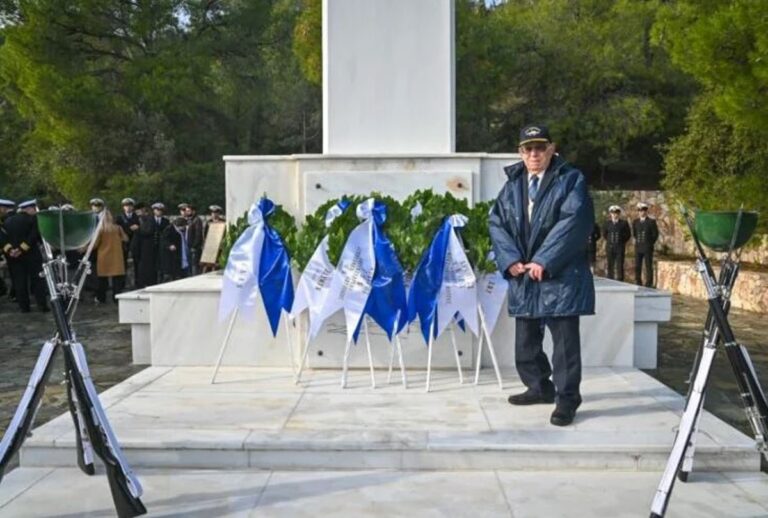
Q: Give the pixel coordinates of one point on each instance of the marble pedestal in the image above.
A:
(176, 324)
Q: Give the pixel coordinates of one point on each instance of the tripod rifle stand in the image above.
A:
(93, 433)
(716, 230)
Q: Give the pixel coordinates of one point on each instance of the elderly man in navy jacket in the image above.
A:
(539, 226)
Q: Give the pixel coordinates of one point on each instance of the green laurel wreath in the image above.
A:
(410, 236)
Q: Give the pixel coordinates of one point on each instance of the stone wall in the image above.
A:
(750, 291)
(674, 236)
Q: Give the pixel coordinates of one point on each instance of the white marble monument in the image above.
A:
(388, 107)
(388, 76)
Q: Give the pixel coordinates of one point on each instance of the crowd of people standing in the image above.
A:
(141, 243)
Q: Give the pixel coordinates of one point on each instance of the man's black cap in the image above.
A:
(534, 133)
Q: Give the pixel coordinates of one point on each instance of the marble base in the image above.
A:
(176, 324)
(259, 418)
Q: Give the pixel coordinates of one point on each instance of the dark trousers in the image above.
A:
(533, 366)
(647, 258)
(615, 263)
(118, 285)
(25, 276)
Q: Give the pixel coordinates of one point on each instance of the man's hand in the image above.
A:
(536, 271)
(172, 248)
(134, 227)
(15, 253)
(516, 269)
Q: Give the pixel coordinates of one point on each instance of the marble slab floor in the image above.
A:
(67, 493)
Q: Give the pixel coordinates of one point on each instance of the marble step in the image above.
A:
(256, 418)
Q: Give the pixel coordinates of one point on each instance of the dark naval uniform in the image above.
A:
(21, 233)
(149, 234)
(646, 232)
(616, 236)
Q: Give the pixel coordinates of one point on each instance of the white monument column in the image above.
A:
(388, 77)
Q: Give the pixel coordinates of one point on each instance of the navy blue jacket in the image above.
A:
(556, 238)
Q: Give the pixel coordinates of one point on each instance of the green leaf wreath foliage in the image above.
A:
(434, 209)
(477, 239)
(311, 233)
(280, 220)
(234, 230)
(342, 227)
(410, 235)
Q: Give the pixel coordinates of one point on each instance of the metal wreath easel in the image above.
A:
(93, 433)
(717, 330)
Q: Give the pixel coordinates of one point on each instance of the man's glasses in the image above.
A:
(530, 148)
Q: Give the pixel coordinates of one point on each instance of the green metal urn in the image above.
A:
(715, 229)
(77, 227)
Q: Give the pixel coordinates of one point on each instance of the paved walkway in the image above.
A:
(67, 493)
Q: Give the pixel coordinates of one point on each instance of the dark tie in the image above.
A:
(533, 187)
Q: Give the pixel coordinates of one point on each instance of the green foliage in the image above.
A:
(307, 40)
(410, 236)
(724, 45)
(585, 67)
(477, 240)
(233, 233)
(421, 229)
(108, 96)
(717, 166)
(308, 237)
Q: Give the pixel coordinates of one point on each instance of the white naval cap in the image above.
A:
(614, 208)
(96, 201)
(127, 201)
(642, 205)
(28, 203)
(158, 205)
(7, 203)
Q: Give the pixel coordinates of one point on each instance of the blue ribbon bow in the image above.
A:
(275, 279)
(422, 297)
(387, 304)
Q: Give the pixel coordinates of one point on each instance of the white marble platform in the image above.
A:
(48, 492)
(259, 419)
(622, 333)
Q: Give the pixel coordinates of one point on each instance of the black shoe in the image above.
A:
(530, 397)
(563, 415)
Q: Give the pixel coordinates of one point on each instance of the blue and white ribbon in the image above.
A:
(240, 286)
(444, 285)
(387, 303)
(492, 294)
(315, 282)
(258, 264)
(458, 291)
(352, 279)
(275, 278)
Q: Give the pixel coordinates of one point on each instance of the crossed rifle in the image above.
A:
(93, 433)
(717, 330)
